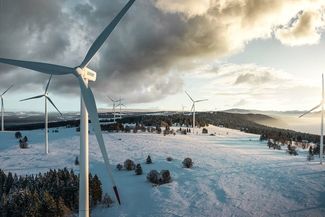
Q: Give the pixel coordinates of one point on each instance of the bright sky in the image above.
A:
(236, 53)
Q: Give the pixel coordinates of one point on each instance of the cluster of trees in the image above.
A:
(161, 120)
(23, 141)
(35, 126)
(54, 193)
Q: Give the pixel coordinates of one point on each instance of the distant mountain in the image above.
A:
(265, 120)
(269, 112)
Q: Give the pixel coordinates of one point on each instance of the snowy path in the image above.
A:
(233, 175)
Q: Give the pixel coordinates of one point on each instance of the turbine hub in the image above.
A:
(86, 73)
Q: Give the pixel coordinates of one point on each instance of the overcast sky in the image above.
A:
(253, 54)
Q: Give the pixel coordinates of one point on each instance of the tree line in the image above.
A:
(228, 120)
(54, 193)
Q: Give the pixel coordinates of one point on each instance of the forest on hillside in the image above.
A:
(229, 120)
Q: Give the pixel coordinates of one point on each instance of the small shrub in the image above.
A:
(310, 157)
(107, 200)
(263, 137)
(76, 161)
(119, 167)
(165, 177)
(138, 169)
(204, 131)
(153, 176)
(148, 161)
(129, 164)
(188, 163)
(18, 135)
(23, 142)
(169, 158)
(292, 150)
(159, 178)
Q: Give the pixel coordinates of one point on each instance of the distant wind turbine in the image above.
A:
(183, 107)
(3, 109)
(321, 104)
(46, 98)
(193, 108)
(120, 105)
(88, 104)
(114, 107)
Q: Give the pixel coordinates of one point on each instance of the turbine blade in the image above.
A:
(189, 96)
(53, 105)
(111, 99)
(311, 110)
(104, 35)
(201, 100)
(90, 103)
(40, 67)
(34, 97)
(48, 84)
(121, 104)
(1, 103)
(7, 90)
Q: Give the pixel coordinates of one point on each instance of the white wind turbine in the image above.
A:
(46, 98)
(87, 105)
(3, 109)
(114, 107)
(193, 108)
(321, 104)
(120, 105)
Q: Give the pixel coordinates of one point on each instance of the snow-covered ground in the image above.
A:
(234, 174)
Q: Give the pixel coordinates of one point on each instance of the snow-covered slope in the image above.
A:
(234, 174)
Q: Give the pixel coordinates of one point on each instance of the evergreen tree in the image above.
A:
(48, 205)
(149, 161)
(62, 209)
(97, 190)
(138, 169)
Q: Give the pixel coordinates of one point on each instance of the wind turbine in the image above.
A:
(3, 109)
(321, 104)
(87, 106)
(183, 107)
(46, 98)
(114, 106)
(120, 105)
(193, 108)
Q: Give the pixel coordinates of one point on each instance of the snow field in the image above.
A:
(234, 174)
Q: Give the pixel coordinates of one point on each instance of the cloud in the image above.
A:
(304, 30)
(189, 8)
(264, 88)
(241, 102)
(144, 58)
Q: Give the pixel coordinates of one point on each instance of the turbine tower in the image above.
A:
(120, 105)
(321, 104)
(46, 98)
(193, 108)
(88, 106)
(3, 109)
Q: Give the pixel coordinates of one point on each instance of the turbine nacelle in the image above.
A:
(86, 73)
